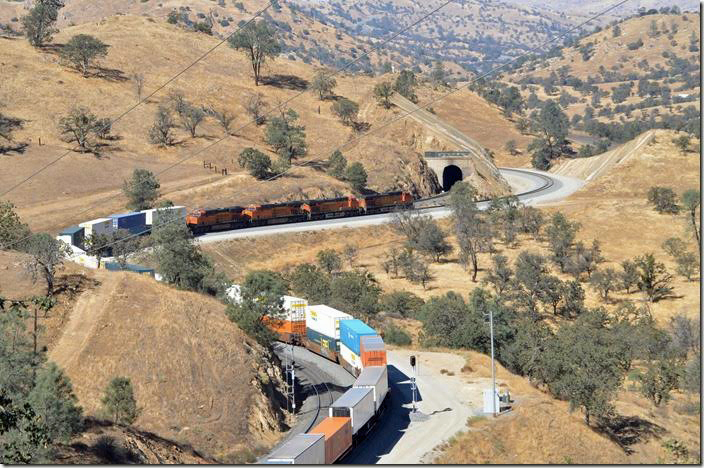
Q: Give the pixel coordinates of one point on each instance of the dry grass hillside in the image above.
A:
(527, 434)
(198, 380)
(80, 187)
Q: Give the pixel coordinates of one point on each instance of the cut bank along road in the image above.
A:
(531, 186)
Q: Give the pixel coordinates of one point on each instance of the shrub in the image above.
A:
(396, 336)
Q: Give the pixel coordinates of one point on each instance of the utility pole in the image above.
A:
(493, 368)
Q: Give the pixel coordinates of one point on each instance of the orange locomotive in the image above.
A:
(236, 217)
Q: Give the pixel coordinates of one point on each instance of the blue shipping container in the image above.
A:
(351, 331)
(114, 266)
(324, 341)
(77, 234)
(136, 223)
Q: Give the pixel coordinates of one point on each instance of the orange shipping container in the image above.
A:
(338, 437)
(286, 326)
(373, 351)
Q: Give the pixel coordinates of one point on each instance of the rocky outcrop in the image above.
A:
(416, 177)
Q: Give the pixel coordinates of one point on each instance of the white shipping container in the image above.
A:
(302, 449)
(376, 378)
(325, 320)
(98, 226)
(348, 355)
(356, 404)
(295, 308)
(149, 214)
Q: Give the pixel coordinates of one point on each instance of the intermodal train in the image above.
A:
(358, 348)
(236, 217)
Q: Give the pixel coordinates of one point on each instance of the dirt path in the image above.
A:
(82, 322)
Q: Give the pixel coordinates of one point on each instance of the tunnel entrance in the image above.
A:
(450, 175)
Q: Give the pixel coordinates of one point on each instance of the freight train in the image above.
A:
(357, 347)
(202, 221)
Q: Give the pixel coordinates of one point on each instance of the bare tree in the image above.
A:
(191, 117)
(223, 116)
(138, 83)
(45, 254)
(161, 132)
(78, 127)
(255, 107)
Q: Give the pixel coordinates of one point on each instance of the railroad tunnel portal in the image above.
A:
(450, 167)
(450, 175)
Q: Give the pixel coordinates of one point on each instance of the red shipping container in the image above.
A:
(373, 351)
(338, 437)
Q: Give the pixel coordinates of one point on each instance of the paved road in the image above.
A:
(533, 186)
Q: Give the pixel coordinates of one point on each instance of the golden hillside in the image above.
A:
(198, 380)
(80, 187)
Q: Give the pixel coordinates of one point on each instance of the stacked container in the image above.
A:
(323, 329)
(135, 223)
(155, 214)
(293, 321)
(350, 333)
(377, 379)
(338, 437)
(356, 404)
(98, 226)
(73, 236)
(373, 351)
(302, 449)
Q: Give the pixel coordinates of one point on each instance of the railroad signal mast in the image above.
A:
(413, 381)
(290, 372)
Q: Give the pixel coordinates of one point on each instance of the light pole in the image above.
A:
(493, 369)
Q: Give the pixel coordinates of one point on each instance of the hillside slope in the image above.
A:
(196, 376)
(80, 187)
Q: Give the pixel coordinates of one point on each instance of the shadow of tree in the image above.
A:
(18, 148)
(628, 430)
(285, 82)
(110, 74)
(361, 127)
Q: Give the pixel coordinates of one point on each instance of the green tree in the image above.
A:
(530, 273)
(687, 265)
(691, 200)
(355, 291)
(523, 354)
(510, 147)
(404, 303)
(474, 234)
(532, 221)
(552, 125)
(405, 85)
(12, 230)
(39, 22)
(141, 190)
(616, 31)
(98, 246)
(55, 404)
(356, 175)
(257, 163)
(346, 110)
(396, 336)
(223, 116)
(582, 366)
(350, 253)
(82, 50)
(561, 234)
(415, 268)
(438, 75)
(180, 261)
(324, 84)
(161, 132)
(383, 92)
(572, 298)
(311, 282)
(500, 275)
(45, 254)
(550, 292)
(258, 40)
(682, 143)
(674, 247)
(604, 282)
(119, 402)
(664, 200)
(287, 138)
(660, 379)
(629, 275)
(23, 438)
(191, 116)
(654, 280)
(329, 260)
(337, 165)
(123, 244)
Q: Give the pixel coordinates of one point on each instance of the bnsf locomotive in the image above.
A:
(236, 217)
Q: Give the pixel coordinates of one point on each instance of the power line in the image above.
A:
(406, 114)
(280, 106)
(133, 107)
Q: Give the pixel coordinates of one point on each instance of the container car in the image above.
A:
(351, 331)
(134, 222)
(376, 378)
(338, 437)
(154, 214)
(372, 351)
(302, 449)
(356, 404)
(326, 321)
(102, 226)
